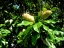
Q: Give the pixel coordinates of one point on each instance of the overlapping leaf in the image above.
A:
(50, 21)
(24, 34)
(34, 38)
(4, 32)
(25, 23)
(37, 26)
(49, 31)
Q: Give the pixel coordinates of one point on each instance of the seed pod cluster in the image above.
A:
(46, 14)
(28, 17)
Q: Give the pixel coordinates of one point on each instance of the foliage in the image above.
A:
(17, 31)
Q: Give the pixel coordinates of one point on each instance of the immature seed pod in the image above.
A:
(46, 14)
(28, 17)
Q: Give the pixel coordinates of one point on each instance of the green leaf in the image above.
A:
(50, 32)
(50, 21)
(20, 34)
(57, 32)
(37, 26)
(46, 5)
(39, 13)
(5, 11)
(59, 39)
(25, 23)
(54, 9)
(4, 32)
(1, 25)
(45, 41)
(45, 27)
(24, 34)
(34, 38)
(13, 16)
(19, 41)
(52, 46)
(44, 9)
(4, 42)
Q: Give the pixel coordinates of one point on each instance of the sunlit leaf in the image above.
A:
(50, 21)
(20, 34)
(5, 11)
(49, 31)
(19, 41)
(44, 9)
(39, 13)
(56, 32)
(54, 9)
(58, 39)
(1, 25)
(52, 46)
(4, 32)
(4, 42)
(37, 26)
(25, 23)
